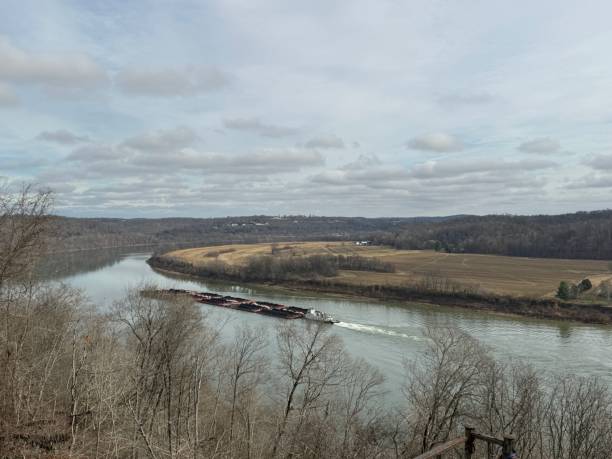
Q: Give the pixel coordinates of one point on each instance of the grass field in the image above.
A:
(534, 277)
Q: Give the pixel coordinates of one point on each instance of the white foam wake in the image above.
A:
(375, 330)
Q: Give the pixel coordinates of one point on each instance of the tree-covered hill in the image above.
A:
(579, 235)
(585, 235)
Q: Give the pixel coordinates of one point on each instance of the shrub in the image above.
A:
(564, 291)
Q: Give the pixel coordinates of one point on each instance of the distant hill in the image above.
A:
(84, 233)
(586, 235)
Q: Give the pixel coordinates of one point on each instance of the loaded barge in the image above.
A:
(260, 307)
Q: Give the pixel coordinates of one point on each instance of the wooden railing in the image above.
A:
(468, 441)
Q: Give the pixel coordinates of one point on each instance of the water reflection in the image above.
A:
(63, 265)
(565, 330)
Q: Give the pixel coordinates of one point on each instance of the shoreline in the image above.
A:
(548, 309)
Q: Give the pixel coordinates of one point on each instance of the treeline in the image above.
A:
(586, 235)
(88, 233)
(271, 268)
(154, 378)
(359, 263)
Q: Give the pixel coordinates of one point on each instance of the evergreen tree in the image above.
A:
(564, 291)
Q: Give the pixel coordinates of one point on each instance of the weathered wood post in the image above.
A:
(469, 442)
(508, 446)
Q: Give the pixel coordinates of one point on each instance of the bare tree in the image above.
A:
(360, 394)
(162, 333)
(246, 367)
(443, 386)
(24, 218)
(310, 362)
(579, 419)
(511, 400)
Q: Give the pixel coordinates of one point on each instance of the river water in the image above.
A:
(386, 334)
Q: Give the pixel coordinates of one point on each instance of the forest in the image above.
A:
(586, 235)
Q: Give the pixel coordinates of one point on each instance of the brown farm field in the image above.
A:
(532, 277)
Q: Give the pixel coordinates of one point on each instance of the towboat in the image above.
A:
(242, 304)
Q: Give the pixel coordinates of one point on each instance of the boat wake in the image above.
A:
(376, 330)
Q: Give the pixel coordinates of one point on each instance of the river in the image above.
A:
(386, 334)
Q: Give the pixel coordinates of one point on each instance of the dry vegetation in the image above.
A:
(531, 277)
(151, 378)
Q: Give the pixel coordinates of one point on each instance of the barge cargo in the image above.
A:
(259, 307)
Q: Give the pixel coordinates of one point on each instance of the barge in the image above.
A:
(259, 307)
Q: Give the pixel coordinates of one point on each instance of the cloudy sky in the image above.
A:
(373, 108)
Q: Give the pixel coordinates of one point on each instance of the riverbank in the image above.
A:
(541, 308)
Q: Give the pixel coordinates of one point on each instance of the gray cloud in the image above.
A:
(383, 189)
(436, 142)
(435, 176)
(66, 71)
(367, 177)
(437, 169)
(325, 141)
(163, 140)
(543, 145)
(363, 162)
(592, 181)
(8, 98)
(62, 188)
(62, 136)
(96, 153)
(171, 82)
(264, 161)
(449, 179)
(255, 125)
(142, 155)
(600, 162)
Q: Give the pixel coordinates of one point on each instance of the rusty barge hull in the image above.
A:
(258, 307)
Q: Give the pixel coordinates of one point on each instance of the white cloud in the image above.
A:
(543, 145)
(168, 82)
(71, 71)
(436, 142)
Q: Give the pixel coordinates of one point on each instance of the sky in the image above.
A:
(348, 108)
